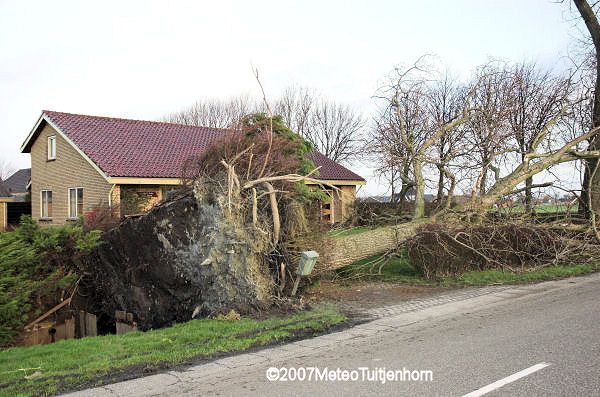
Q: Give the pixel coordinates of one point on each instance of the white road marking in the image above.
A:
(509, 379)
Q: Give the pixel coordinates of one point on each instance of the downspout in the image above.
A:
(110, 192)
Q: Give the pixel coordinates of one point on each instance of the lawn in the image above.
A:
(78, 363)
(398, 269)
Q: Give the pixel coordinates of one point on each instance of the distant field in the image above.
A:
(541, 208)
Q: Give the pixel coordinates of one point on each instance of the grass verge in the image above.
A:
(399, 270)
(79, 363)
(487, 277)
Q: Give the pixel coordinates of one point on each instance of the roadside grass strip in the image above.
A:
(76, 364)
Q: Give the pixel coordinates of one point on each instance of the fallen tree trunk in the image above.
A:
(342, 251)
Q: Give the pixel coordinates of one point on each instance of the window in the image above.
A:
(75, 202)
(46, 204)
(52, 148)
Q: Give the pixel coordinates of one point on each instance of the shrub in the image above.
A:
(371, 213)
(101, 218)
(440, 251)
(35, 268)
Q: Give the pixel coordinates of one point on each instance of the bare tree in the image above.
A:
(536, 97)
(6, 170)
(521, 111)
(588, 13)
(580, 119)
(389, 155)
(215, 113)
(420, 117)
(446, 103)
(295, 105)
(538, 159)
(508, 122)
(334, 129)
(487, 129)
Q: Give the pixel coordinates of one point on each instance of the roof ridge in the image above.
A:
(49, 112)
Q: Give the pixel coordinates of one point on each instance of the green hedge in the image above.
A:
(35, 266)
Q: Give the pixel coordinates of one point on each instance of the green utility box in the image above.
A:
(307, 263)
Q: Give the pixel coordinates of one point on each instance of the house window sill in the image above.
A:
(45, 219)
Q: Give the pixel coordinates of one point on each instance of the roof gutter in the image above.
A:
(338, 182)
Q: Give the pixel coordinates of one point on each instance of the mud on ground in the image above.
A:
(359, 296)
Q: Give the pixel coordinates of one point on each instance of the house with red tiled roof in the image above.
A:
(80, 163)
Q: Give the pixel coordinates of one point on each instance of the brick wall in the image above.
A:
(148, 196)
(344, 209)
(341, 251)
(69, 170)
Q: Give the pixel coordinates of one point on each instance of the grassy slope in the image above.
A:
(76, 363)
(398, 269)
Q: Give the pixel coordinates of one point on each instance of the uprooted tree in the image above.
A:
(419, 120)
(227, 240)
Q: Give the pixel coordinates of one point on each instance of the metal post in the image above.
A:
(296, 285)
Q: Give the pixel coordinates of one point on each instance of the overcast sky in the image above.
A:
(143, 59)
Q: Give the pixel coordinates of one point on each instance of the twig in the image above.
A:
(270, 112)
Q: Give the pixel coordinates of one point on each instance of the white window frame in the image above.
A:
(42, 204)
(51, 147)
(76, 203)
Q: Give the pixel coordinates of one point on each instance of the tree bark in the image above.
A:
(419, 211)
(593, 26)
(528, 195)
(402, 196)
(274, 212)
(452, 178)
(440, 190)
(526, 170)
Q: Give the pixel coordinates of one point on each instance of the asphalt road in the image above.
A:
(469, 351)
(468, 345)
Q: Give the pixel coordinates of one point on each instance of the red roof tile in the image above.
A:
(135, 148)
(330, 170)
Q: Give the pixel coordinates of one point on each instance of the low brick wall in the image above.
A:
(342, 251)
